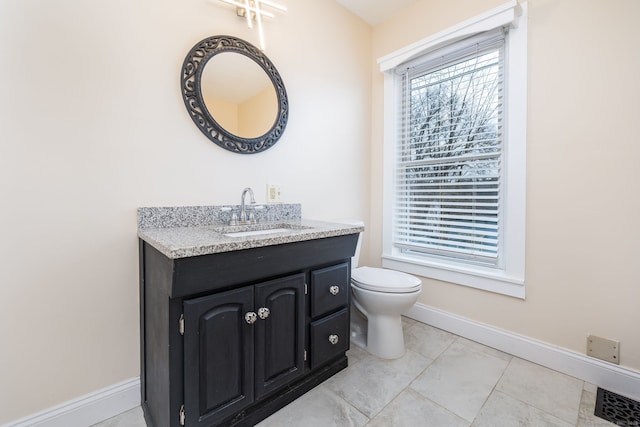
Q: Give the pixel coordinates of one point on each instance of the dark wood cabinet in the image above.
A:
(240, 345)
(218, 356)
(227, 339)
(329, 327)
(279, 343)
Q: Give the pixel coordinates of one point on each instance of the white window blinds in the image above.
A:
(448, 182)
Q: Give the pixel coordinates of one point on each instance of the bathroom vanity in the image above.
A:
(238, 321)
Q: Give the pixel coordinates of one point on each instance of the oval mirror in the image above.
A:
(234, 94)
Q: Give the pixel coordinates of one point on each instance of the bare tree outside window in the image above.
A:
(449, 159)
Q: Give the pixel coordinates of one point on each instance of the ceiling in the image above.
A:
(375, 11)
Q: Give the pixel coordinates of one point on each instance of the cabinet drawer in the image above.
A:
(329, 289)
(329, 337)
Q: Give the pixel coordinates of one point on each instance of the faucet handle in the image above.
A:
(234, 219)
(252, 218)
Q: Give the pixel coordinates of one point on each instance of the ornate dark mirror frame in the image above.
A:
(191, 81)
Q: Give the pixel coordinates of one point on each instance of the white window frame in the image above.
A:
(508, 279)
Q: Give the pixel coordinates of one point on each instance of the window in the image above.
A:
(455, 116)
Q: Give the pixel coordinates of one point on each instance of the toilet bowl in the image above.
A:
(379, 297)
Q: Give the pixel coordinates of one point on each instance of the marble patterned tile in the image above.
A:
(131, 418)
(590, 387)
(372, 383)
(407, 322)
(427, 340)
(543, 388)
(466, 380)
(356, 354)
(485, 349)
(461, 379)
(502, 410)
(411, 409)
(319, 407)
(586, 417)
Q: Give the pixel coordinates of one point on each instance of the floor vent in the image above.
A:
(617, 409)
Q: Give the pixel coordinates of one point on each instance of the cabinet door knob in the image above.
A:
(333, 339)
(250, 317)
(263, 312)
(334, 290)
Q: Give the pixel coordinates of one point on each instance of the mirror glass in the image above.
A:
(239, 95)
(234, 94)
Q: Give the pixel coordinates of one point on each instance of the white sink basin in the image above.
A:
(259, 229)
(258, 232)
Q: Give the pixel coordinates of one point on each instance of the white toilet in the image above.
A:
(379, 297)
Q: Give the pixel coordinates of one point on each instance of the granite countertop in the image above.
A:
(192, 231)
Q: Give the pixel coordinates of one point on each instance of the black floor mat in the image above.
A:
(617, 409)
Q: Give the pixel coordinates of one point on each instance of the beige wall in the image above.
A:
(258, 113)
(250, 119)
(92, 125)
(225, 113)
(583, 149)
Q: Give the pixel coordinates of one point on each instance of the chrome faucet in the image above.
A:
(243, 211)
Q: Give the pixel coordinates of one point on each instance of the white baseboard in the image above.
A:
(87, 410)
(607, 375)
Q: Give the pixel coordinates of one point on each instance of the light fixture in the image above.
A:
(253, 9)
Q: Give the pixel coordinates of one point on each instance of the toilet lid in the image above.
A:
(383, 280)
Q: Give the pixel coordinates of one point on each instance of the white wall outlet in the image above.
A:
(274, 193)
(604, 349)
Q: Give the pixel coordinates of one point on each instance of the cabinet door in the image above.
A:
(280, 336)
(218, 356)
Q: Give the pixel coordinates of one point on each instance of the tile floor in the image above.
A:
(442, 380)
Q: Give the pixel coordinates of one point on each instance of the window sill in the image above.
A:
(487, 279)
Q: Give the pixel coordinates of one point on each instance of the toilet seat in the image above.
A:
(383, 280)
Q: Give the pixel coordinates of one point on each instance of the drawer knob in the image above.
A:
(250, 317)
(263, 312)
(334, 290)
(333, 339)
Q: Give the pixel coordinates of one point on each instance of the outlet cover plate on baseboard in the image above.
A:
(604, 349)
